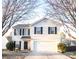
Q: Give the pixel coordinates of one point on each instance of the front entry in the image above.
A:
(25, 45)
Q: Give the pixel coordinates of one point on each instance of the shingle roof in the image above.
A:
(29, 23)
(26, 37)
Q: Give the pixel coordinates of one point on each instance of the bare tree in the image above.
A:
(13, 11)
(65, 11)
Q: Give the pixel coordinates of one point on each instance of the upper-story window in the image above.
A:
(21, 31)
(52, 30)
(38, 30)
(28, 31)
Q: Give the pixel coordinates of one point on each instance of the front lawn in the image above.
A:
(71, 54)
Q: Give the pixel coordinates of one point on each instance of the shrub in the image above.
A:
(10, 46)
(71, 48)
(62, 47)
(17, 49)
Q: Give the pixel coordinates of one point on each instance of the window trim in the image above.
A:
(35, 30)
(49, 30)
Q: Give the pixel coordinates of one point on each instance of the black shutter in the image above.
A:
(19, 44)
(20, 31)
(55, 30)
(28, 31)
(23, 31)
(34, 30)
(14, 31)
(41, 30)
(48, 30)
(14, 44)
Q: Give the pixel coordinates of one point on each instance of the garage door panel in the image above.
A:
(46, 46)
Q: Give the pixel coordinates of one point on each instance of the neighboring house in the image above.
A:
(41, 36)
(4, 42)
(5, 39)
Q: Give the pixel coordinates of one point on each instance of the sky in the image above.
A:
(37, 13)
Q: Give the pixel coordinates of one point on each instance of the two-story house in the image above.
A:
(40, 36)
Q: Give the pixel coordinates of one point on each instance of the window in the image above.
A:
(20, 32)
(52, 30)
(38, 30)
(17, 44)
(28, 31)
(24, 31)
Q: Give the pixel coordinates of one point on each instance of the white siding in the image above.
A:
(45, 37)
(45, 40)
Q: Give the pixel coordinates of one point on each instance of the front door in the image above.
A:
(25, 45)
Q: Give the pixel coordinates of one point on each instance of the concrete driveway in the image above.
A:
(38, 55)
(54, 55)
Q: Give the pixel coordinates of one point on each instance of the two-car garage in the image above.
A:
(45, 46)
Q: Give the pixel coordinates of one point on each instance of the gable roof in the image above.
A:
(21, 25)
(27, 24)
(39, 21)
(53, 21)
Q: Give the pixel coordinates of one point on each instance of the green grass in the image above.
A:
(71, 54)
(74, 53)
(4, 49)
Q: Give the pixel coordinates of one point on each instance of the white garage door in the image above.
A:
(42, 46)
